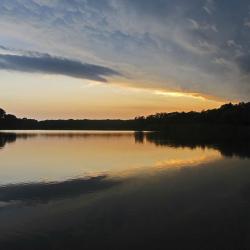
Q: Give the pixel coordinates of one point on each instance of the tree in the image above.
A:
(2, 113)
(10, 117)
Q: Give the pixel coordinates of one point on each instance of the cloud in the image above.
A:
(205, 27)
(47, 64)
(244, 63)
(232, 43)
(209, 7)
(247, 23)
(195, 45)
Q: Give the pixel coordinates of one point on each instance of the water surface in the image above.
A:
(122, 190)
(46, 156)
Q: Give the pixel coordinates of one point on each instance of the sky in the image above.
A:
(122, 58)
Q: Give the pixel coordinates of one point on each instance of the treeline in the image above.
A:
(228, 114)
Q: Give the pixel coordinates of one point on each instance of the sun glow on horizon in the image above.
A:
(68, 97)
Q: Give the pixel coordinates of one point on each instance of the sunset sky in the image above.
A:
(122, 58)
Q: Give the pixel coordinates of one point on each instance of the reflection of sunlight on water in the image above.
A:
(51, 156)
(196, 157)
(206, 157)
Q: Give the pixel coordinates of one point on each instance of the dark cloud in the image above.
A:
(44, 192)
(45, 63)
(244, 63)
(205, 40)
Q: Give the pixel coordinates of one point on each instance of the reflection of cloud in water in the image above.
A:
(209, 156)
(202, 157)
(39, 156)
(44, 192)
(53, 156)
(190, 208)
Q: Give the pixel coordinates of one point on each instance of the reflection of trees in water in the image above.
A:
(6, 138)
(12, 137)
(230, 141)
(139, 137)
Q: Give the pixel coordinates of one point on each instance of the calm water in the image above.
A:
(122, 190)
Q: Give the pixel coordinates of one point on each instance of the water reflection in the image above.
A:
(158, 205)
(227, 147)
(206, 207)
(7, 138)
(49, 156)
(45, 192)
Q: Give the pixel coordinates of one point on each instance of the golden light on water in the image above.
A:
(201, 157)
(79, 154)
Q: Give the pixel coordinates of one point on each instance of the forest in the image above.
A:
(228, 114)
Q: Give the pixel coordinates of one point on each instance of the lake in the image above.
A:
(122, 190)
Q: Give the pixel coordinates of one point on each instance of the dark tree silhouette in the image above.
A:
(2, 113)
(228, 114)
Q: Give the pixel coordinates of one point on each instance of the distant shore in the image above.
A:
(228, 116)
